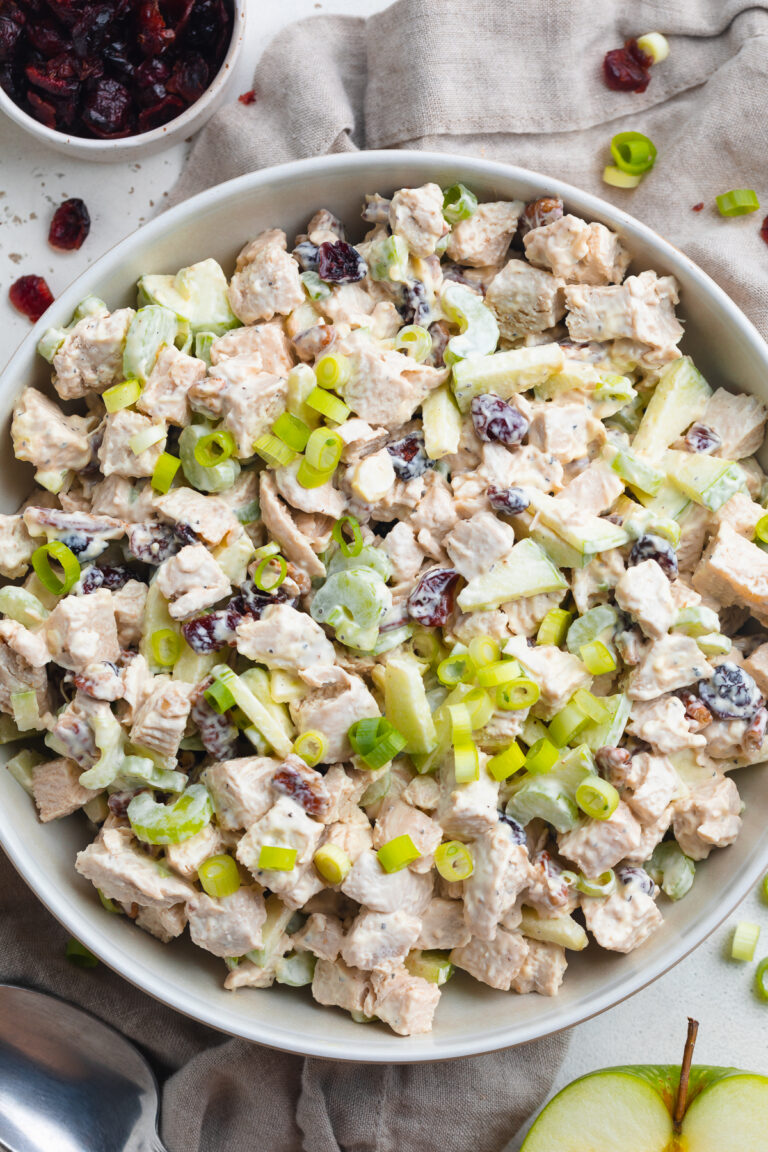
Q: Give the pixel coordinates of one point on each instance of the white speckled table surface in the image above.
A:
(650, 1027)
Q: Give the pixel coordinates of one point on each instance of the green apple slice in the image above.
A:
(729, 1116)
(604, 1112)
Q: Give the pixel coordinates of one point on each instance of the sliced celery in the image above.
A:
(479, 327)
(150, 329)
(197, 294)
(608, 733)
(598, 623)
(543, 797)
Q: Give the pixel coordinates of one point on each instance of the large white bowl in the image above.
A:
(471, 1017)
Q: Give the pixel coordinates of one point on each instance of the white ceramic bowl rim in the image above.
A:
(140, 139)
(173, 993)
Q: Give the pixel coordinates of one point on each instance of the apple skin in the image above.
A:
(665, 1078)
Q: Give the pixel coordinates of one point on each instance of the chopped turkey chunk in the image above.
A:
(56, 789)
(82, 630)
(596, 845)
(380, 940)
(641, 309)
(281, 525)
(164, 923)
(187, 856)
(495, 962)
(44, 436)
(662, 723)
(443, 925)
(558, 674)
(266, 280)
(404, 552)
(561, 432)
(484, 238)
(165, 396)
(757, 666)
(124, 873)
(190, 581)
(160, 721)
(501, 872)
(208, 516)
(525, 299)
(116, 454)
(708, 817)
(284, 638)
(466, 811)
(90, 358)
(542, 970)
(16, 546)
(129, 603)
(476, 544)
(336, 984)
(247, 399)
(734, 571)
(241, 789)
(381, 891)
(416, 214)
(407, 1003)
(267, 341)
(227, 925)
(323, 935)
(285, 825)
(653, 783)
(577, 252)
(644, 592)
(623, 921)
(386, 387)
(332, 708)
(739, 421)
(670, 663)
(594, 490)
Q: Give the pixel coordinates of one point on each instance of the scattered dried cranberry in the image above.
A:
(518, 831)
(30, 295)
(494, 419)
(248, 97)
(409, 456)
(307, 255)
(638, 877)
(70, 225)
(650, 547)
(731, 693)
(189, 78)
(154, 37)
(111, 576)
(107, 109)
(508, 501)
(340, 263)
(702, 438)
(432, 600)
(153, 543)
(698, 207)
(764, 230)
(414, 306)
(10, 35)
(90, 31)
(627, 69)
(217, 732)
(539, 213)
(213, 631)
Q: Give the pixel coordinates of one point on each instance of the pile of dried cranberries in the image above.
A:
(113, 68)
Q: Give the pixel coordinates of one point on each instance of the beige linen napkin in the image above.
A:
(515, 80)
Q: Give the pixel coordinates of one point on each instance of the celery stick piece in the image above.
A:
(679, 398)
(505, 373)
(197, 294)
(526, 570)
(554, 929)
(610, 732)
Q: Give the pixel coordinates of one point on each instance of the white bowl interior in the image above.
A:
(471, 1018)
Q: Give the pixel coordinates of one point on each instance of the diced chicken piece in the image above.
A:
(443, 925)
(475, 545)
(595, 490)
(126, 874)
(281, 526)
(400, 819)
(386, 387)
(668, 664)
(82, 629)
(709, 817)
(190, 581)
(352, 835)
(380, 940)
(623, 921)
(284, 638)
(208, 516)
(494, 962)
(542, 970)
(337, 985)
(577, 252)
(485, 236)
(596, 845)
(523, 616)
(466, 811)
(44, 436)
(56, 789)
(560, 430)
(525, 467)
(650, 836)
(16, 546)
(229, 925)
(266, 280)
(590, 583)
(129, 602)
(423, 792)
(160, 721)
(644, 592)
(548, 890)
(249, 975)
(525, 299)
(322, 935)
(734, 571)
(662, 723)
(345, 789)
(285, 825)
(324, 498)
(165, 396)
(187, 856)
(416, 214)
(372, 478)
(247, 399)
(435, 515)
(641, 309)
(757, 666)
(90, 358)
(267, 341)
(406, 1003)
(558, 674)
(118, 497)
(742, 513)
(340, 701)
(739, 421)
(71, 733)
(101, 680)
(28, 645)
(241, 790)
(381, 891)
(164, 923)
(116, 454)
(404, 552)
(137, 682)
(653, 783)
(501, 872)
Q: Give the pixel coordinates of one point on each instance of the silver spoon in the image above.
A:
(70, 1082)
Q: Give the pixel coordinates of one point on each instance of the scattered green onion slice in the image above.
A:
(166, 647)
(65, 557)
(273, 858)
(121, 395)
(466, 762)
(219, 876)
(618, 179)
(633, 153)
(458, 203)
(333, 371)
(602, 885)
(214, 448)
(737, 202)
(745, 938)
(311, 746)
(328, 405)
(761, 530)
(567, 724)
(500, 672)
(273, 451)
(506, 763)
(455, 669)
(219, 697)
(597, 798)
(324, 448)
(310, 477)
(591, 706)
(291, 431)
(654, 45)
(398, 853)
(164, 472)
(483, 650)
(516, 694)
(78, 954)
(761, 979)
(147, 438)
(597, 658)
(270, 549)
(425, 645)
(542, 756)
(453, 860)
(376, 741)
(260, 577)
(414, 340)
(461, 723)
(480, 707)
(554, 627)
(351, 547)
(332, 862)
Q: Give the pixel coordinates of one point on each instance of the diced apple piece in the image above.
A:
(563, 930)
(505, 373)
(442, 423)
(679, 398)
(583, 531)
(704, 479)
(407, 705)
(525, 571)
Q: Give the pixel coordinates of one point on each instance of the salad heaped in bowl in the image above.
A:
(390, 608)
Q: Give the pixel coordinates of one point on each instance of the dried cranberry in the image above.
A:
(764, 230)
(340, 263)
(414, 305)
(10, 35)
(731, 693)
(189, 78)
(253, 602)
(701, 438)
(409, 456)
(441, 334)
(494, 419)
(149, 81)
(116, 56)
(44, 111)
(107, 109)
(698, 207)
(637, 877)
(433, 598)
(159, 114)
(307, 254)
(539, 213)
(627, 69)
(30, 295)
(118, 802)
(508, 501)
(89, 33)
(248, 97)
(153, 36)
(650, 547)
(153, 543)
(58, 77)
(518, 831)
(213, 631)
(70, 225)
(217, 732)
(113, 577)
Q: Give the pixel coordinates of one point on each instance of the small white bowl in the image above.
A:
(144, 143)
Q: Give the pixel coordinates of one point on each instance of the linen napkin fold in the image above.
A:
(519, 81)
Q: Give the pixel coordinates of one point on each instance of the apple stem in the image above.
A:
(685, 1072)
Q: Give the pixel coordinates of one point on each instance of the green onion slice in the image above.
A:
(332, 862)
(274, 858)
(310, 477)
(567, 724)
(291, 431)
(324, 448)
(63, 556)
(121, 395)
(461, 723)
(497, 673)
(78, 954)
(453, 860)
(737, 202)
(516, 694)
(618, 179)
(328, 405)
(633, 153)
(351, 547)
(455, 669)
(398, 853)
(376, 741)
(761, 979)
(506, 763)
(602, 885)
(273, 451)
(219, 876)
(333, 371)
(414, 340)
(262, 580)
(458, 203)
(745, 938)
(597, 658)
(219, 697)
(311, 746)
(597, 798)
(164, 472)
(554, 627)
(761, 530)
(166, 647)
(542, 756)
(214, 448)
(466, 762)
(483, 651)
